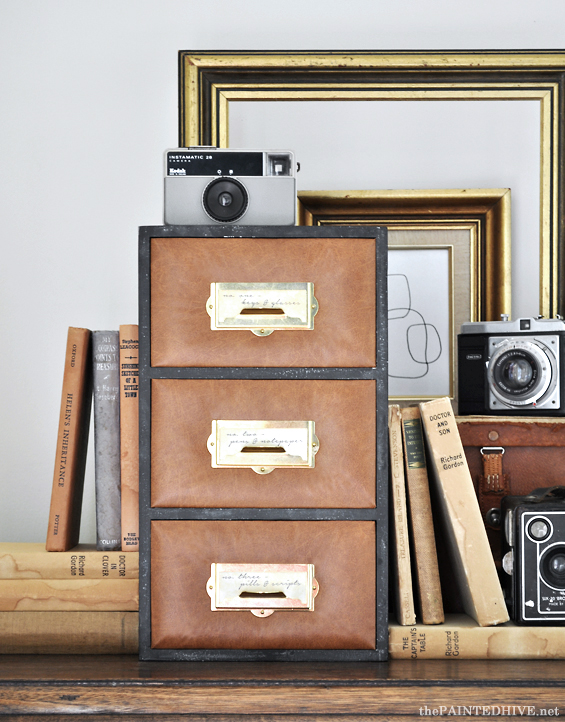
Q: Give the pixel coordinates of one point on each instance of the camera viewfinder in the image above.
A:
(278, 164)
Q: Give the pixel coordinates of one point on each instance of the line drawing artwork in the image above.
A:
(423, 343)
(419, 322)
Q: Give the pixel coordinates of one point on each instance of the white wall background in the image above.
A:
(88, 103)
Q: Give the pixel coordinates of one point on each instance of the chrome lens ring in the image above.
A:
(520, 351)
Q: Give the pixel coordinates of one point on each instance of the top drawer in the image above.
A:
(343, 274)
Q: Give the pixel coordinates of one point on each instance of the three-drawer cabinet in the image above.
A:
(263, 443)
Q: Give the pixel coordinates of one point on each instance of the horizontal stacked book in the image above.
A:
(81, 601)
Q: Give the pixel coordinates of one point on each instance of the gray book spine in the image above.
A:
(106, 352)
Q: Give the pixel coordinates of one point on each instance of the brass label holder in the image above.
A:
(262, 307)
(263, 445)
(262, 589)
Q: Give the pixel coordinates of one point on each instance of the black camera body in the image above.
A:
(208, 186)
(512, 367)
(534, 556)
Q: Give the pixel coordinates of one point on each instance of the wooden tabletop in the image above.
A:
(122, 685)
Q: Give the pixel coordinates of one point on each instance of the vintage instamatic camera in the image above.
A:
(512, 367)
(534, 556)
(208, 186)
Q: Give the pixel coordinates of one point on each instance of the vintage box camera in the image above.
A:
(534, 556)
(209, 186)
(512, 367)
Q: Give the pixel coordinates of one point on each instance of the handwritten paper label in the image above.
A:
(262, 586)
(262, 306)
(263, 444)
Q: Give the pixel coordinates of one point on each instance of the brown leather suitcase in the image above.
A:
(341, 269)
(343, 475)
(343, 555)
(511, 455)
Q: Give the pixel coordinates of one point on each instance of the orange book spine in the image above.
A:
(72, 441)
(129, 435)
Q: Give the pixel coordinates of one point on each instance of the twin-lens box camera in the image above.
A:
(208, 186)
(534, 556)
(512, 367)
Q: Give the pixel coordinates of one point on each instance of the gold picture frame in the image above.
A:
(210, 80)
(486, 211)
(474, 225)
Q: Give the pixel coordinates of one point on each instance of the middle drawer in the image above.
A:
(341, 473)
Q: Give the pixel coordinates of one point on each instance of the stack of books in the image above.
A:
(65, 597)
(81, 601)
(441, 554)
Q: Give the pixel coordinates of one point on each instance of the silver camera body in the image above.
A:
(512, 367)
(208, 186)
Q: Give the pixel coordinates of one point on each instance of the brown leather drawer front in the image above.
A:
(343, 553)
(343, 273)
(181, 420)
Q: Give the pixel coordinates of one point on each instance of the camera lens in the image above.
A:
(522, 372)
(225, 200)
(518, 373)
(552, 567)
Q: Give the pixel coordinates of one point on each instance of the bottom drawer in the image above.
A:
(342, 552)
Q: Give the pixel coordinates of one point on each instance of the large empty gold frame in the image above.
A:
(211, 80)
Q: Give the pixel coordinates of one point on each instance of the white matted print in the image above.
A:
(420, 321)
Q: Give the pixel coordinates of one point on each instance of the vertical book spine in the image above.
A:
(421, 520)
(107, 439)
(129, 435)
(72, 441)
(401, 556)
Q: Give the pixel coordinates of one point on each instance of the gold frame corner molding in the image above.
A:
(487, 211)
(210, 80)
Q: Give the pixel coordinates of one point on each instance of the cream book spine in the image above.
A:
(465, 532)
(69, 632)
(60, 595)
(405, 612)
(460, 637)
(30, 560)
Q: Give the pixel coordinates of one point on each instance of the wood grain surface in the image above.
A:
(107, 686)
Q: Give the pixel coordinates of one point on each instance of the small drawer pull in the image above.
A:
(262, 307)
(262, 588)
(263, 445)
